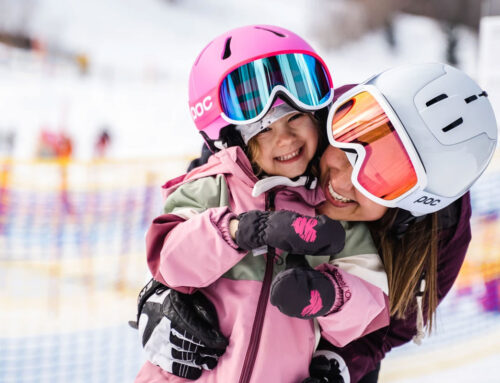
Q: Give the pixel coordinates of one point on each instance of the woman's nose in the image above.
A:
(342, 171)
(343, 177)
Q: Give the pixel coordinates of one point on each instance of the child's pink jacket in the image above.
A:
(190, 248)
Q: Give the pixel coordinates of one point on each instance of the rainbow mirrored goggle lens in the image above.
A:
(386, 171)
(245, 93)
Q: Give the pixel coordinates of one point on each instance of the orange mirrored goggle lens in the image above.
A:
(387, 171)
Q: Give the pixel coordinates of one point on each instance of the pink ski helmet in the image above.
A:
(238, 76)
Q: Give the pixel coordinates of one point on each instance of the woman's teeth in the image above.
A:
(337, 196)
(289, 156)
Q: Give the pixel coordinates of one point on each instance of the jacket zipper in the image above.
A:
(260, 312)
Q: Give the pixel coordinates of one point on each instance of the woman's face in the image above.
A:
(343, 201)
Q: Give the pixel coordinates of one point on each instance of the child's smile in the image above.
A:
(290, 157)
(288, 145)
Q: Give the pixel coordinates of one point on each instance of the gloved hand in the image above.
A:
(290, 231)
(179, 332)
(303, 293)
(327, 367)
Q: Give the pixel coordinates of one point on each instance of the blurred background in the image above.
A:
(94, 118)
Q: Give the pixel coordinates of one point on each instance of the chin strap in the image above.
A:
(268, 183)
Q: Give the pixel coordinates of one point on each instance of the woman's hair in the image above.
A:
(407, 260)
(313, 167)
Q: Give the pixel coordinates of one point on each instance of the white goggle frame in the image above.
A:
(412, 200)
(272, 97)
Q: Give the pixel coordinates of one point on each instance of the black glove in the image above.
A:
(290, 231)
(303, 293)
(325, 370)
(179, 332)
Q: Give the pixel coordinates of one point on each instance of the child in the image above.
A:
(200, 244)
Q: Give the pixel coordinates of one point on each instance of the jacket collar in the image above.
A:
(233, 161)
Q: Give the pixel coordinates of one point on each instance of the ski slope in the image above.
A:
(140, 54)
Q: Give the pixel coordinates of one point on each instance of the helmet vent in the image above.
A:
(454, 124)
(227, 49)
(470, 98)
(270, 30)
(436, 99)
(474, 97)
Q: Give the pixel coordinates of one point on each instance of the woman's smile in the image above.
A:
(343, 200)
(338, 199)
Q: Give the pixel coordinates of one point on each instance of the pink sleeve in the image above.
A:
(149, 373)
(199, 251)
(155, 237)
(359, 308)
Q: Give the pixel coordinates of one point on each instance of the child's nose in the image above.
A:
(285, 135)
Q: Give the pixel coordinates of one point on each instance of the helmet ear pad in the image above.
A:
(209, 142)
(448, 217)
(403, 220)
(228, 137)
(231, 137)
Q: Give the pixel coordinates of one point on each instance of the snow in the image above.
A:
(140, 54)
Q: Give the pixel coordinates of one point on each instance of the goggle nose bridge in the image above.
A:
(351, 154)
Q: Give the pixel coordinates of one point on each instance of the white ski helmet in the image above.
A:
(422, 133)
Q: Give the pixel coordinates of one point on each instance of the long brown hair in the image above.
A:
(407, 260)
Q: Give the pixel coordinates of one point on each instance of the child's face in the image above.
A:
(343, 201)
(287, 145)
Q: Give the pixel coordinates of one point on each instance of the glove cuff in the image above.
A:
(337, 366)
(251, 233)
(223, 226)
(342, 291)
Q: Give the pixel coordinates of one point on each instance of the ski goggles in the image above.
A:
(387, 168)
(246, 93)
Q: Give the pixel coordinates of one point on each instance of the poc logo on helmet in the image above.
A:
(200, 108)
(428, 201)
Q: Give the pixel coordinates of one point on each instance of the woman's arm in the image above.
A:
(363, 355)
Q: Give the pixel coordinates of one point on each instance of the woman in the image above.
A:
(424, 246)
(460, 122)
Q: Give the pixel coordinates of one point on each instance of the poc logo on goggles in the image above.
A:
(200, 108)
(428, 201)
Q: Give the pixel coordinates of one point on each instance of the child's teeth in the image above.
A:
(336, 195)
(288, 156)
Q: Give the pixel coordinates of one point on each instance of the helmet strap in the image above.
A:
(209, 142)
(228, 137)
(219, 144)
(403, 221)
